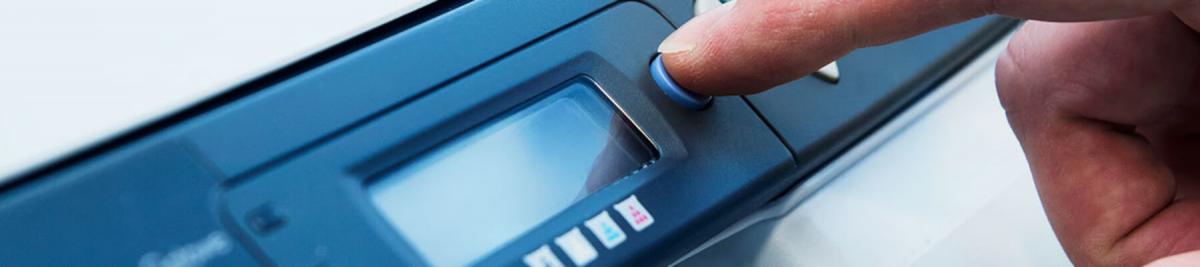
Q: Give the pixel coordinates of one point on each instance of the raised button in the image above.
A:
(578, 249)
(668, 86)
(542, 257)
(605, 229)
(634, 213)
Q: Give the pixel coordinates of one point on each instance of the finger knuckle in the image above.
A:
(1027, 78)
(1011, 86)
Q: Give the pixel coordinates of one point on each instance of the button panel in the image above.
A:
(602, 226)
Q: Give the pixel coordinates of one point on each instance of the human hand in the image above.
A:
(1107, 106)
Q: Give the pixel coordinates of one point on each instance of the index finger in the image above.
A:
(754, 45)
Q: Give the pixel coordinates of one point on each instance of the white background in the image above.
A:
(74, 72)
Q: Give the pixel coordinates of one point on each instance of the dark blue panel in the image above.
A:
(677, 12)
(153, 207)
(818, 119)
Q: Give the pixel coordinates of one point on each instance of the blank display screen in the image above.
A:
(473, 194)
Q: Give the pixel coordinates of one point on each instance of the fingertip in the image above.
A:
(692, 33)
(684, 52)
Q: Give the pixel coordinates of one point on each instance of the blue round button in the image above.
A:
(681, 96)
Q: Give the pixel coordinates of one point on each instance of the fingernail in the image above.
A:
(676, 43)
(686, 38)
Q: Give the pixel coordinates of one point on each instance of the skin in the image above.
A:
(1103, 95)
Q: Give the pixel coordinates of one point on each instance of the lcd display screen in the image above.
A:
(471, 195)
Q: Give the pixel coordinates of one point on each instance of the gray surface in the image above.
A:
(948, 188)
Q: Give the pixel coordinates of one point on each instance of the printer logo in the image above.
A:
(190, 255)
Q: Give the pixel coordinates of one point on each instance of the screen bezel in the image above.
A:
(583, 81)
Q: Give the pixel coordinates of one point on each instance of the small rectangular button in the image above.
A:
(605, 229)
(542, 257)
(635, 214)
(577, 247)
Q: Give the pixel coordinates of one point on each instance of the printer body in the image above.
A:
(506, 133)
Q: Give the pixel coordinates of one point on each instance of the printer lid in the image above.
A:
(125, 73)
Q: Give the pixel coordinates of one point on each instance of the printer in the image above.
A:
(491, 133)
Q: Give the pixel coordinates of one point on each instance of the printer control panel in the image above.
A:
(515, 133)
